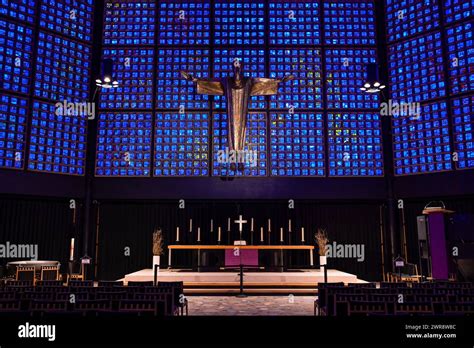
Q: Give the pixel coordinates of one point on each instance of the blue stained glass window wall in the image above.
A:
(124, 144)
(345, 69)
(408, 18)
(460, 47)
(456, 10)
(62, 69)
(421, 143)
(349, 23)
(57, 141)
(256, 140)
(130, 22)
(463, 131)
(184, 23)
(15, 57)
(416, 69)
(253, 64)
(133, 69)
(294, 23)
(305, 91)
(23, 10)
(13, 116)
(71, 18)
(173, 91)
(297, 144)
(355, 144)
(239, 22)
(181, 144)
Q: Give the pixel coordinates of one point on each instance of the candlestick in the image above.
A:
(251, 225)
(269, 225)
(190, 225)
(281, 234)
(302, 234)
(71, 257)
(219, 234)
(177, 234)
(261, 234)
(212, 225)
(199, 234)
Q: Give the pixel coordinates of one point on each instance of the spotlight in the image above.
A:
(372, 83)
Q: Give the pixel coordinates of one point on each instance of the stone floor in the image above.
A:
(251, 305)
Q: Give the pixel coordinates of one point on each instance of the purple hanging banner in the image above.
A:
(439, 256)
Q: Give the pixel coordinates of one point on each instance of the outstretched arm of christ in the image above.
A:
(205, 86)
(265, 86)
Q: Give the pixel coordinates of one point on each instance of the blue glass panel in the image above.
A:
(461, 57)
(15, 56)
(297, 144)
(181, 144)
(421, 142)
(408, 18)
(294, 23)
(173, 91)
(463, 131)
(456, 10)
(305, 91)
(349, 23)
(57, 141)
(355, 144)
(23, 10)
(345, 73)
(13, 116)
(183, 23)
(256, 146)
(130, 22)
(62, 69)
(239, 23)
(253, 65)
(124, 144)
(416, 69)
(133, 70)
(71, 18)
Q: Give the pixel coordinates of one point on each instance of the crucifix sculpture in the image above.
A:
(237, 90)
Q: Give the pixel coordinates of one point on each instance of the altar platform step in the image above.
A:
(290, 282)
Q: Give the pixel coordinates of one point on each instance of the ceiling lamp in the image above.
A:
(106, 80)
(372, 83)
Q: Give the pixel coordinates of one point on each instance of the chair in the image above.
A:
(49, 273)
(367, 308)
(47, 306)
(140, 307)
(414, 308)
(341, 302)
(362, 285)
(145, 283)
(67, 296)
(26, 273)
(109, 283)
(180, 301)
(9, 306)
(458, 308)
(49, 283)
(76, 275)
(393, 285)
(19, 283)
(408, 273)
(92, 306)
(81, 283)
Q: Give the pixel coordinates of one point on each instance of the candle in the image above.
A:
(302, 234)
(219, 234)
(228, 224)
(251, 225)
(177, 234)
(71, 258)
(261, 234)
(289, 225)
(269, 225)
(281, 234)
(199, 234)
(212, 225)
(190, 225)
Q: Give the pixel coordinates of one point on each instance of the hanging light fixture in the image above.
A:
(372, 83)
(106, 80)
